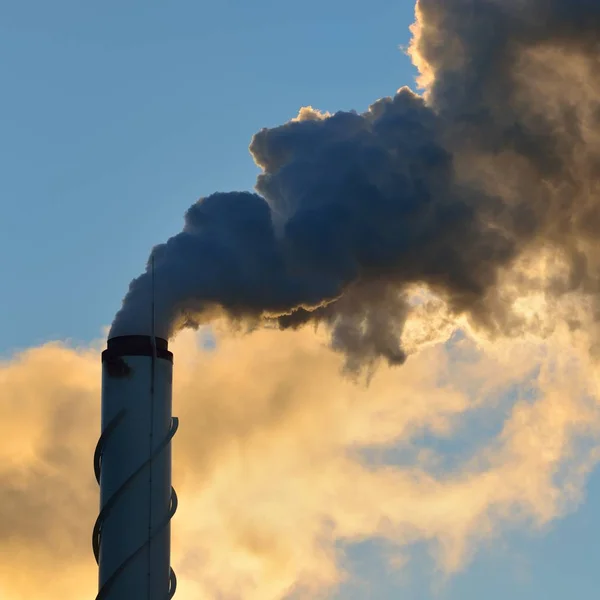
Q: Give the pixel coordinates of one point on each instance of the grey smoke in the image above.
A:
(499, 155)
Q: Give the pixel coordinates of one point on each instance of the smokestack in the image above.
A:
(132, 462)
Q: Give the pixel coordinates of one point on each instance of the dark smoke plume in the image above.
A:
(500, 155)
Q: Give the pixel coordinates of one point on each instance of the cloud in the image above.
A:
(281, 462)
(484, 189)
(497, 159)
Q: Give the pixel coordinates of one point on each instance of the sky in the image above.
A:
(115, 117)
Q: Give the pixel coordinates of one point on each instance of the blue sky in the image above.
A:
(114, 120)
(116, 116)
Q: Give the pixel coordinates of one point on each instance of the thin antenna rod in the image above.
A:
(151, 441)
(153, 304)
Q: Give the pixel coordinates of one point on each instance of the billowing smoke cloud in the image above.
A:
(281, 465)
(499, 157)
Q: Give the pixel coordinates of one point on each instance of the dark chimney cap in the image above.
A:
(136, 345)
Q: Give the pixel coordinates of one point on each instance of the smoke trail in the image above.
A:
(500, 156)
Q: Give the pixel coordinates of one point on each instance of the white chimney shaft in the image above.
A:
(133, 466)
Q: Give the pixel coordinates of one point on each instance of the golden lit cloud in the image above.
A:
(280, 461)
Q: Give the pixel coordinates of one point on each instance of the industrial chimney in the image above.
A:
(132, 463)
